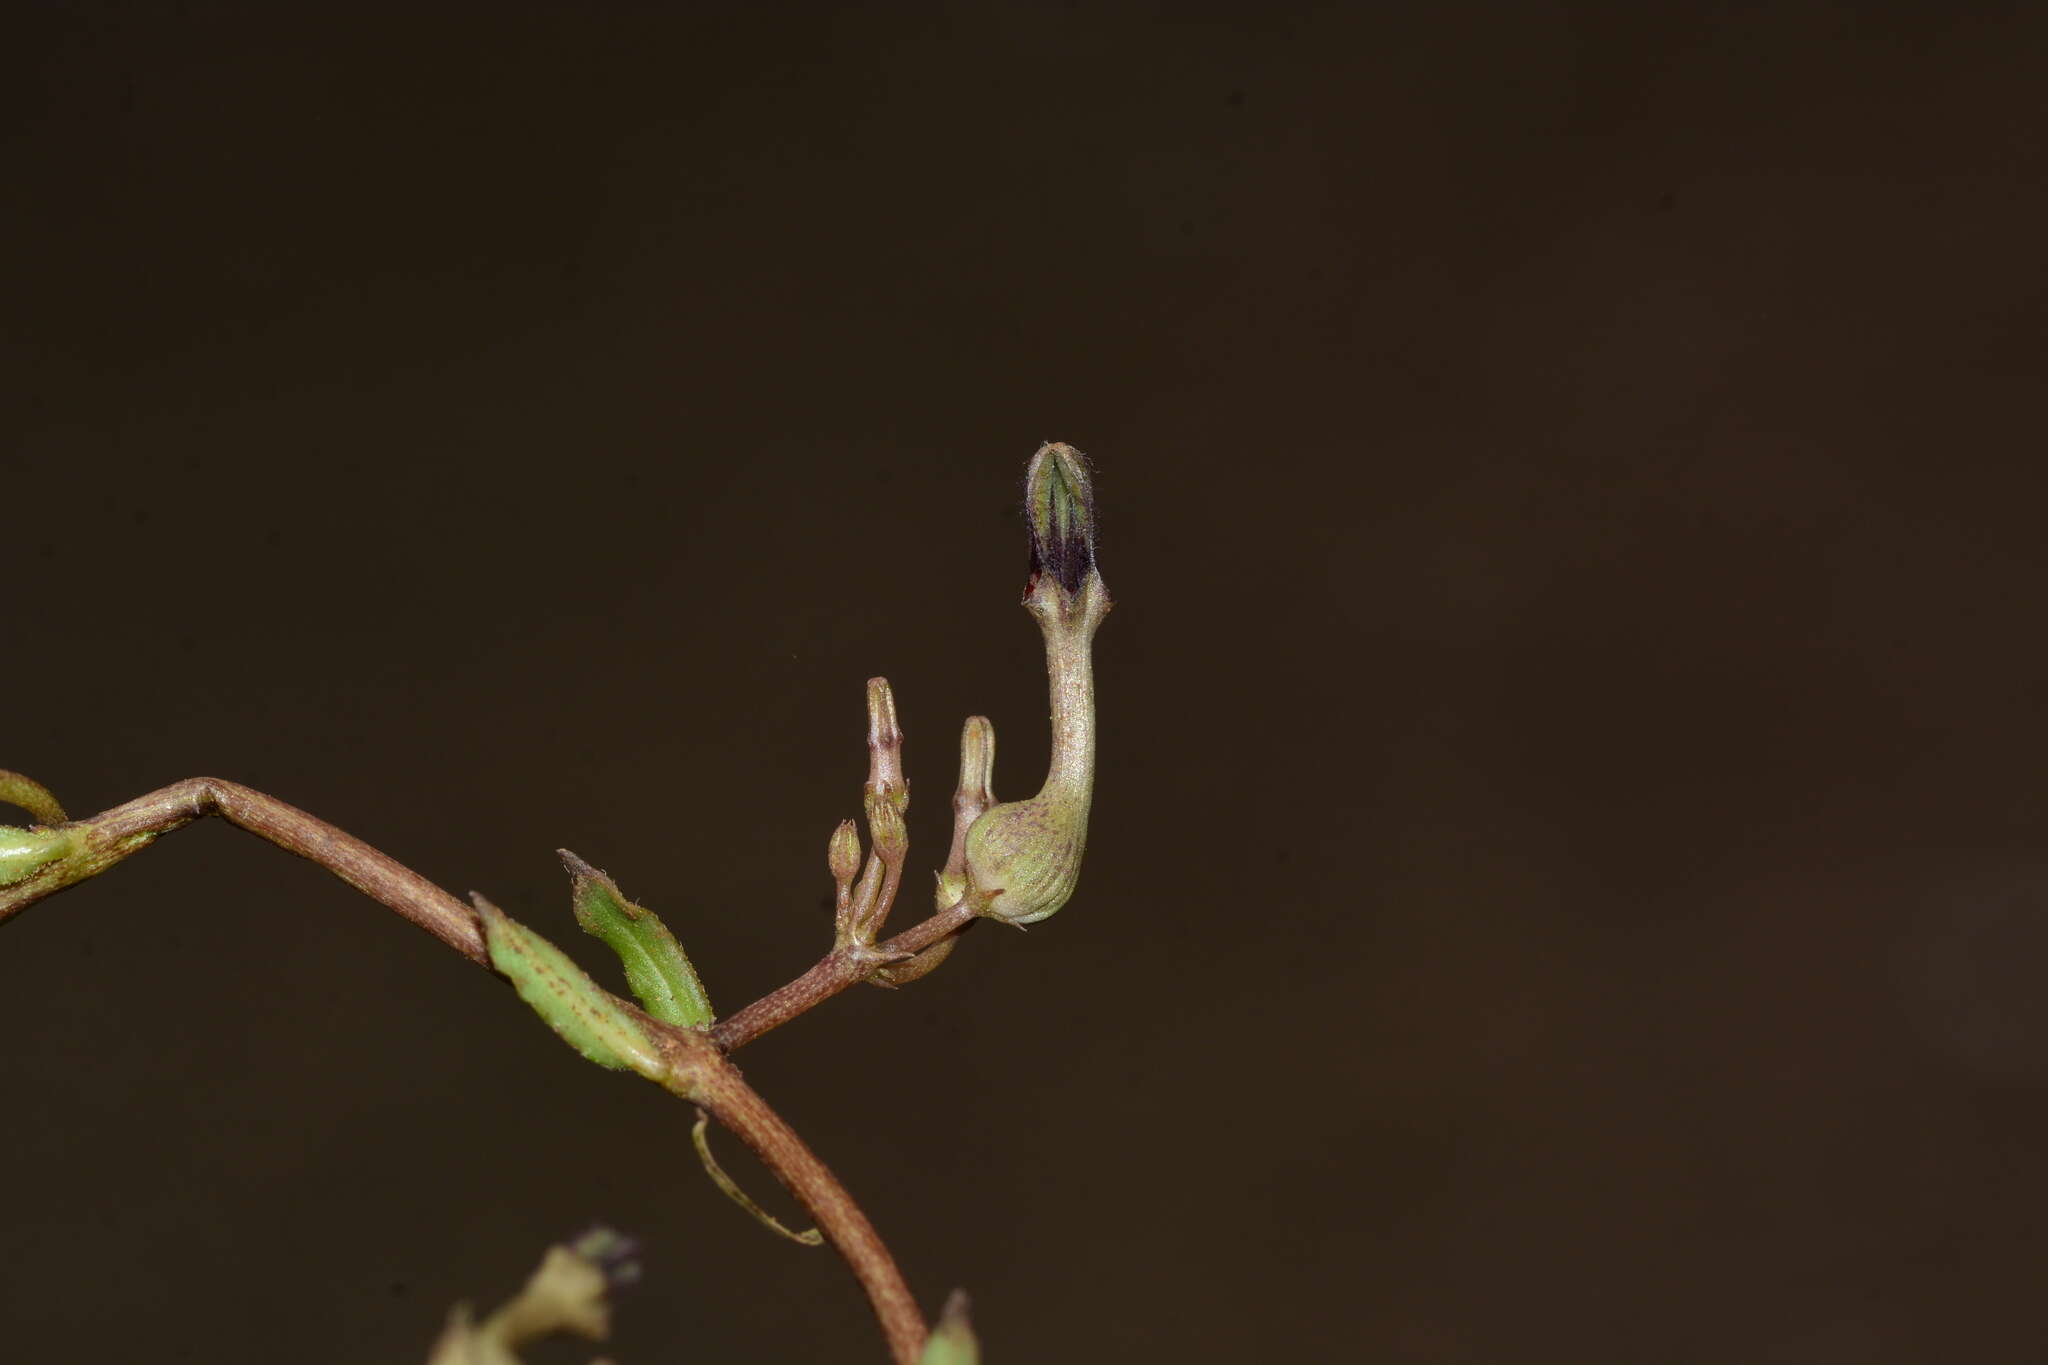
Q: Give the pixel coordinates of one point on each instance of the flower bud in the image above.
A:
(842, 855)
(884, 800)
(1059, 505)
(970, 799)
(885, 746)
(886, 827)
(1023, 857)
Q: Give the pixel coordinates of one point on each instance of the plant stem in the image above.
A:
(127, 829)
(715, 1083)
(833, 973)
(702, 1072)
(115, 834)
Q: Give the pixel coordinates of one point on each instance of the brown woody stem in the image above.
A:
(115, 834)
(835, 972)
(715, 1083)
(703, 1072)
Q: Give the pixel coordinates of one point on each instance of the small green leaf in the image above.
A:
(952, 1341)
(656, 967)
(590, 1019)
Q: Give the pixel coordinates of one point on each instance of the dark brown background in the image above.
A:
(1570, 875)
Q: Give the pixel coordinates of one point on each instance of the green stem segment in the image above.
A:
(18, 789)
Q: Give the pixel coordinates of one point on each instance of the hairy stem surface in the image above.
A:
(835, 972)
(716, 1085)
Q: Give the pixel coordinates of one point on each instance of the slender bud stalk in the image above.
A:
(19, 789)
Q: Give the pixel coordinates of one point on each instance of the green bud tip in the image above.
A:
(1059, 503)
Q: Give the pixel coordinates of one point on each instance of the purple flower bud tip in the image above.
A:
(1059, 504)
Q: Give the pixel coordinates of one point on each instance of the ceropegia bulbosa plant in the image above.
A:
(1016, 862)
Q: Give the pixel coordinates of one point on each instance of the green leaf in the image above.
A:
(22, 851)
(590, 1019)
(656, 967)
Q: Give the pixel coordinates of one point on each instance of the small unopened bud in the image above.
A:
(884, 799)
(842, 855)
(886, 827)
(885, 744)
(1023, 857)
(973, 796)
(889, 837)
(970, 799)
